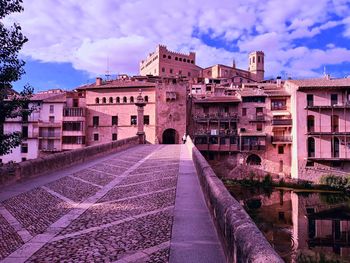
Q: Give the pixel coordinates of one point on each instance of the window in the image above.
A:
(125, 100)
(96, 137)
(281, 166)
(171, 71)
(310, 100)
(335, 147)
(52, 119)
(146, 119)
(73, 140)
(117, 100)
(244, 111)
(133, 120)
(24, 148)
(310, 123)
(278, 105)
(24, 159)
(114, 120)
(52, 108)
(97, 100)
(253, 59)
(163, 70)
(311, 147)
(146, 98)
(192, 61)
(258, 59)
(75, 103)
(72, 126)
(95, 121)
(164, 56)
(334, 99)
(259, 127)
(176, 58)
(169, 57)
(335, 123)
(280, 149)
(180, 59)
(110, 100)
(131, 99)
(114, 136)
(24, 132)
(104, 100)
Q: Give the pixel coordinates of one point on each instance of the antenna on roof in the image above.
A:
(107, 75)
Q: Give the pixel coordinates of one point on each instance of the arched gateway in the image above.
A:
(170, 136)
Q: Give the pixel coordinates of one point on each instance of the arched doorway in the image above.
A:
(170, 136)
(253, 159)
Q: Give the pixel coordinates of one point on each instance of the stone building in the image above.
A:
(250, 124)
(165, 63)
(321, 127)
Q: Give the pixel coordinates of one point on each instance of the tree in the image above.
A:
(12, 104)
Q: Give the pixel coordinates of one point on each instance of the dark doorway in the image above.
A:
(253, 159)
(170, 136)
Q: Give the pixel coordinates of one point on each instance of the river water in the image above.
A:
(301, 226)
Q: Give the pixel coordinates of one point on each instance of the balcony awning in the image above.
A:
(280, 113)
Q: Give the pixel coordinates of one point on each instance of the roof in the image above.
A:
(218, 99)
(119, 84)
(276, 93)
(253, 93)
(321, 82)
(49, 96)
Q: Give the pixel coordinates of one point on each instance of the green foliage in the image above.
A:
(334, 181)
(12, 104)
(267, 181)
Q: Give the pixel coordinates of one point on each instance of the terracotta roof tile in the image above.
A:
(321, 82)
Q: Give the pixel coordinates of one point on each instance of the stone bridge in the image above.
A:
(143, 203)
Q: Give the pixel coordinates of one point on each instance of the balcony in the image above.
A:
(73, 112)
(216, 143)
(216, 117)
(311, 132)
(49, 149)
(281, 139)
(282, 122)
(252, 147)
(282, 107)
(258, 118)
(49, 135)
(332, 106)
(49, 124)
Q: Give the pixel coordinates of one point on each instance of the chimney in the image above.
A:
(278, 81)
(98, 81)
(234, 64)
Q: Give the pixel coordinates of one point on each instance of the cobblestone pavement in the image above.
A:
(117, 210)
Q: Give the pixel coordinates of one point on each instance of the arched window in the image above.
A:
(117, 100)
(104, 100)
(176, 58)
(310, 147)
(125, 100)
(310, 123)
(335, 123)
(97, 100)
(131, 99)
(110, 100)
(169, 57)
(146, 98)
(335, 147)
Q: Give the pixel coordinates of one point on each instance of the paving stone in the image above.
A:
(95, 177)
(100, 214)
(110, 244)
(73, 189)
(36, 209)
(9, 240)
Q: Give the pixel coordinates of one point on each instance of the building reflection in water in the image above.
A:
(301, 226)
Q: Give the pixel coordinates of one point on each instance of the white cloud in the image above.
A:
(86, 33)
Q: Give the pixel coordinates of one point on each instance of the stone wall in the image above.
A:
(11, 173)
(241, 239)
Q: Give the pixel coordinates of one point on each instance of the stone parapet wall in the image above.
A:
(242, 240)
(11, 173)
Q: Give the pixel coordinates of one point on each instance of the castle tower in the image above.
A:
(256, 65)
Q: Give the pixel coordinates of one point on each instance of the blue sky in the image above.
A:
(73, 41)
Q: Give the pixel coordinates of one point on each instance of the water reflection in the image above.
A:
(302, 227)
